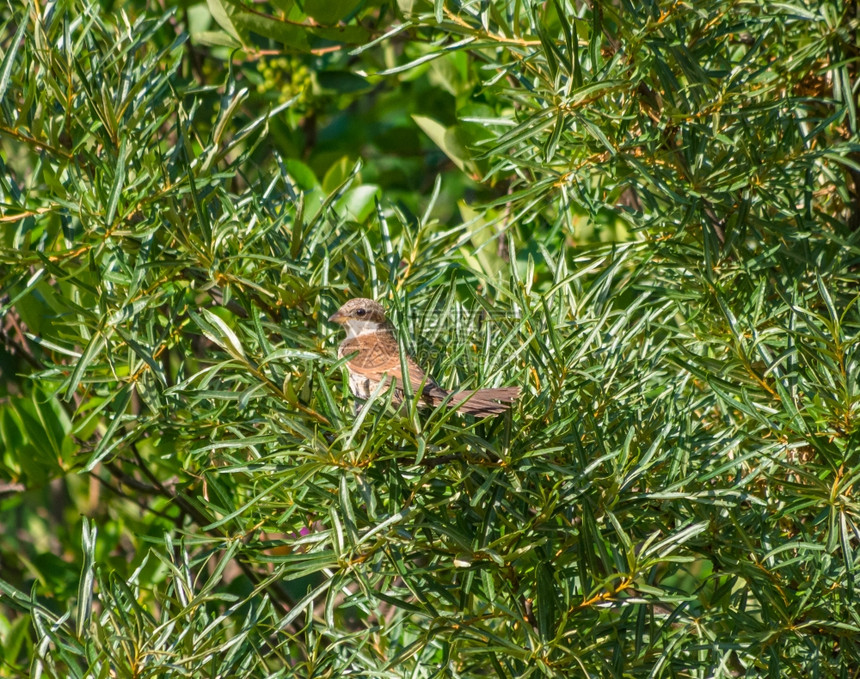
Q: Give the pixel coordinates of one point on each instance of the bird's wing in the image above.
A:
(379, 356)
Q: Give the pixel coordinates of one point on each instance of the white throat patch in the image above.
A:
(355, 327)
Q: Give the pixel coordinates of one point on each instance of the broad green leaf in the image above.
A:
(445, 138)
(290, 36)
(329, 12)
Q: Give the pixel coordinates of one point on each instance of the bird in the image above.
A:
(373, 357)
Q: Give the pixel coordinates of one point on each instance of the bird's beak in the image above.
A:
(337, 317)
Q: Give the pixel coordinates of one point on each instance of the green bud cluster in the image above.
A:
(285, 77)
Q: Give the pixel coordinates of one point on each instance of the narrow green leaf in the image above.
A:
(546, 601)
(87, 581)
(552, 142)
(119, 401)
(118, 182)
(90, 353)
(14, 45)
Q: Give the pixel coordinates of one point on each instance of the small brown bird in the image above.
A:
(378, 358)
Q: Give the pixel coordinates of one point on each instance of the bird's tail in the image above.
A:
(484, 402)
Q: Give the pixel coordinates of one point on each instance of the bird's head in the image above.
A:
(360, 316)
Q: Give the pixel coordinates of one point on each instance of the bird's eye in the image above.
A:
(360, 312)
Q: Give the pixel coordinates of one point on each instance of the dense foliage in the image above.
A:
(645, 214)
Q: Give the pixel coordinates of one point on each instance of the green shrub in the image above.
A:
(645, 216)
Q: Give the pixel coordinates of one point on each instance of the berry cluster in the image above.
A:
(286, 77)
